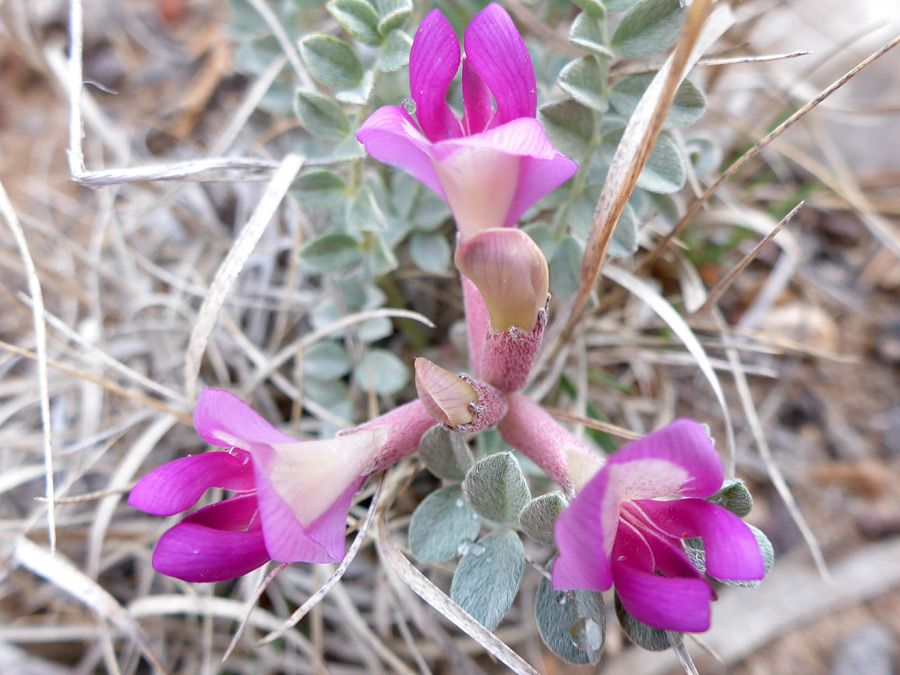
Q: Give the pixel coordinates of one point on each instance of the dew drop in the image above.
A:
(476, 549)
(459, 503)
(562, 599)
(586, 635)
(409, 106)
(463, 548)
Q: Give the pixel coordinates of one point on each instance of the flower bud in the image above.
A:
(457, 401)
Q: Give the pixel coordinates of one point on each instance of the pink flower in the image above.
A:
(494, 164)
(626, 528)
(292, 497)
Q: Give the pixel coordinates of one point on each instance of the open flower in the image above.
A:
(495, 163)
(292, 497)
(627, 525)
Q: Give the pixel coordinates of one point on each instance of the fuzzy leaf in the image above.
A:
(497, 489)
(644, 636)
(539, 516)
(768, 555)
(571, 624)
(321, 116)
(336, 252)
(488, 576)
(430, 252)
(331, 61)
(383, 372)
(665, 171)
(649, 27)
(687, 108)
(393, 14)
(564, 267)
(441, 525)
(445, 454)
(584, 80)
(326, 360)
(734, 496)
(320, 190)
(587, 32)
(619, 5)
(396, 51)
(569, 126)
(358, 18)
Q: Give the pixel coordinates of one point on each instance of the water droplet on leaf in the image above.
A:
(459, 503)
(586, 635)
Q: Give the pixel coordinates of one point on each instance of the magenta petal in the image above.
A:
(391, 137)
(211, 545)
(679, 603)
(732, 553)
(433, 62)
(330, 529)
(538, 177)
(225, 420)
(176, 486)
(583, 562)
(479, 107)
(499, 56)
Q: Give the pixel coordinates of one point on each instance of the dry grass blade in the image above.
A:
(40, 338)
(637, 141)
(759, 436)
(729, 278)
(60, 572)
(435, 597)
(756, 149)
(614, 430)
(320, 594)
(679, 326)
(251, 605)
(230, 268)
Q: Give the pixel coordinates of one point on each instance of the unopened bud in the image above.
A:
(457, 401)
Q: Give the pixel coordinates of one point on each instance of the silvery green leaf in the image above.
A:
(705, 154)
(649, 27)
(381, 258)
(430, 211)
(589, 32)
(624, 240)
(539, 516)
(358, 18)
(687, 108)
(320, 190)
(571, 623)
(404, 191)
(644, 636)
(497, 489)
(331, 61)
(584, 80)
(393, 14)
(381, 371)
(488, 576)
(446, 454)
(334, 395)
(336, 252)
(664, 172)
(441, 525)
(358, 95)
(363, 212)
(321, 116)
(733, 496)
(375, 329)
(396, 51)
(569, 126)
(768, 555)
(594, 8)
(326, 360)
(430, 252)
(544, 237)
(565, 266)
(348, 150)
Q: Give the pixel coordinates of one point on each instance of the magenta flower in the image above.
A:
(292, 497)
(626, 528)
(494, 164)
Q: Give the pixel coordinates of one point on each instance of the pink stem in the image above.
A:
(476, 324)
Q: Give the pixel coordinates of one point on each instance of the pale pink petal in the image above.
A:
(176, 486)
(225, 420)
(732, 553)
(391, 137)
(212, 544)
(499, 56)
(476, 324)
(433, 62)
(677, 603)
(330, 530)
(490, 179)
(479, 107)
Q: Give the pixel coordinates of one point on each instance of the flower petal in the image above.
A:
(732, 553)
(433, 62)
(222, 419)
(330, 529)
(176, 486)
(678, 601)
(391, 137)
(211, 545)
(479, 107)
(499, 56)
